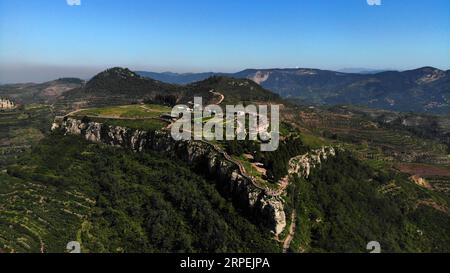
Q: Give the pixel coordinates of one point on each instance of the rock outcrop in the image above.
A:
(303, 164)
(6, 104)
(267, 209)
(265, 205)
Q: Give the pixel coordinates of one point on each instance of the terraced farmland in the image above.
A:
(369, 138)
(112, 200)
(440, 184)
(21, 128)
(39, 218)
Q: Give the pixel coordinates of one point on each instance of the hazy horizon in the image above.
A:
(46, 74)
(49, 39)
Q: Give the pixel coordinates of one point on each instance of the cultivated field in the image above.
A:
(139, 116)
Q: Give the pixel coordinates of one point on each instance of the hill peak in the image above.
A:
(120, 72)
(428, 69)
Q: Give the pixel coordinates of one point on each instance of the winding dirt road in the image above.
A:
(222, 97)
(287, 242)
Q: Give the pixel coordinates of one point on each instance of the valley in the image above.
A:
(423, 90)
(109, 176)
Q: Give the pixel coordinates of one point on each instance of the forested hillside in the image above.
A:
(113, 200)
(346, 204)
(47, 92)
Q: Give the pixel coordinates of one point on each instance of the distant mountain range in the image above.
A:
(425, 90)
(121, 86)
(178, 78)
(47, 92)
(360, 70)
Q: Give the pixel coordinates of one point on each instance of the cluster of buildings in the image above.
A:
(6, 104)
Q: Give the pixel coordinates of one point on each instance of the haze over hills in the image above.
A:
(178, 78)
(424, 90)
(39, 92)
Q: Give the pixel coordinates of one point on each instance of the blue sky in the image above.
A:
(41, 38)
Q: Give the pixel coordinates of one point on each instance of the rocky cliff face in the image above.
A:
(267, 209)
(303, 164)
(262, 204)
(6, 104)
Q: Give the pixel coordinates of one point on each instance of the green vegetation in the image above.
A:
(48, 92)
(378, 136)
(118, 86)
(136, 111)
(276, 163)
(345, 204)
(235, 90)
(313, 141)
(144, 117)
(141, 124)
(113, 200)
(21, 128)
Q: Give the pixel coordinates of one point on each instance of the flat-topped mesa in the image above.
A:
(6, 104)
(266, 209)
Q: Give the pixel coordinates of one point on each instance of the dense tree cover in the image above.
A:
(235, 90)
(21, 128)
(145, 202)
(168, 100)
(118, 86)
(275, 162)
(343, 206)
